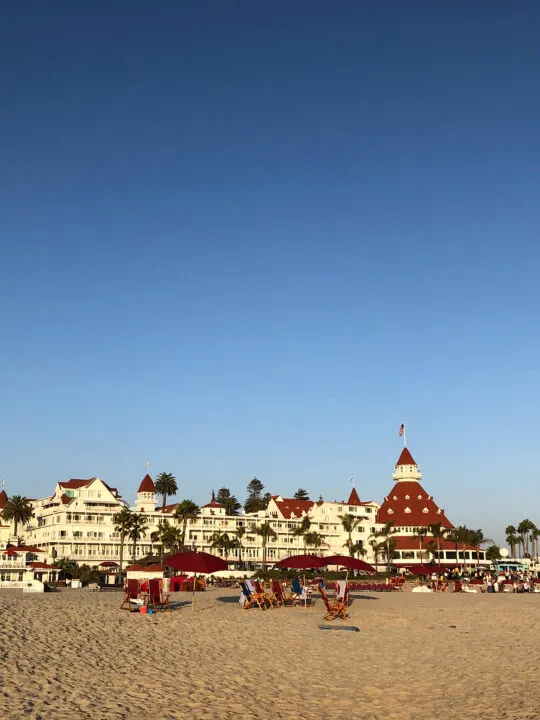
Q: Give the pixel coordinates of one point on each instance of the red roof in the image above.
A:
(409, 505)
(290, 506)
(147, 485)
(42, 566)
(24, 548)
(167, 508)
(3, 499)
(405, 458)
(354, 498)
(65, 499)
(75, 484)
(404, 542)
(108, 563)
(213, 504)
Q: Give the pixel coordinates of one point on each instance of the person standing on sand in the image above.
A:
(434, 583)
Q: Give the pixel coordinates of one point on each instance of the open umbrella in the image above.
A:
(350, 563)
(196, 562)
(423, 569)
(302, 562)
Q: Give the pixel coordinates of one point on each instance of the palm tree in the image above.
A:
(386, 534)
(185, 511)
(438, 532)
(420, 533)
(240, 532)
(513, 541)
(358, 549)
(137, 530)
(377, 549)
(314, 540)
(161, 536)
(302, 529)
(524, 528)
(122, 521)
(477, 539)
(266, 531)
(460, 536)
(349, 522)
(493, 553)
(165, 485)
(222, 542)
(18, 509)
(535, 534)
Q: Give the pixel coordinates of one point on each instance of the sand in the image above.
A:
(74, 654)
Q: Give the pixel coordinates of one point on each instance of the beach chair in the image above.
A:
(157, 599)
(300, 595)
(251, 599)
(268, 598)
(131, 595)
(343, 593)
(280, 594)
(334, 609)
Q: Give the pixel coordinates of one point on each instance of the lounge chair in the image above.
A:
(251, 599)
(334, 609)
(280, 595)
(267, 597)
(157, 599)
(131, 595)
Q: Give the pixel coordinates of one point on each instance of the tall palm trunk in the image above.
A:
(122, 538)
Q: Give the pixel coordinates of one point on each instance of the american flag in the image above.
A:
(401, 430)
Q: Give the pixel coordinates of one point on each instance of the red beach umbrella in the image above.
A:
(196, 562)
(350, 563)
(301, 562)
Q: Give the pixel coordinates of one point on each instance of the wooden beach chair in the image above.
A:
(157, 599)
(281, 595)
(251, 598)
(266, 597)
(333, 609)
(131, 594)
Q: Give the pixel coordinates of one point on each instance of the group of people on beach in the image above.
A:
(509, 581)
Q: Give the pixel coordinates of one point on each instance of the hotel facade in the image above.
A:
(76, 522)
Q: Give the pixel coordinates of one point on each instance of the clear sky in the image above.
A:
(246, 239)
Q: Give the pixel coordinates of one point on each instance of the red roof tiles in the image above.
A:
(409, 505)
(42, 566)
(24, 548)
(404, 542)
(405, 458)
(65, 500)
(289, 507)
(354, 498)
(76, 484)
(147, 485)
(3, 499)
(213, 504)
(145, 568)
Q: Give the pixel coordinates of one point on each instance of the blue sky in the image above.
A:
(245, 240)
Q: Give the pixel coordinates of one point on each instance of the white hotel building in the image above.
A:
(76, 522)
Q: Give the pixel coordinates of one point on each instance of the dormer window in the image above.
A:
(395, 497)
(407, 510)
(425, 510)
(390, 511)
(419, 497)
(407, 497)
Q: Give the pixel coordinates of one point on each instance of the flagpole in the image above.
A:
(404, 436)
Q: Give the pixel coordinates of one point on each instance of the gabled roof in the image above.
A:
(354, 498)
(24, 548)
(65, 500)
(75, 484)
(147, 485)
(409, 505)
(213, 504)
(405, 458)
(42, 566)
(3, 499)
(167, 508)
(290, 506)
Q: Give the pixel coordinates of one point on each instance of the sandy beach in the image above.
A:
(74, 654)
